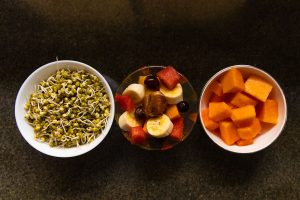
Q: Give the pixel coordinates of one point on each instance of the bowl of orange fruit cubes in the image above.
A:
(243, 109)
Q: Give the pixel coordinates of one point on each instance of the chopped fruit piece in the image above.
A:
(155, 104)
(268, 111)
(216, 98)
(136, 92)
(125, 102)
(159, 127)
(183, 106)
(251, 131)
(241, 100)
(258, 88)
(208, 123)
(152, 82)
(169, 77)
(173, 96)
(243, 116)
(228, 132)
(232, 81)
(141, 80)
(177, 132)
(218, 111)
(217, 89)
(172, 112)
(138, 135)
(127, 121)
(244, 142)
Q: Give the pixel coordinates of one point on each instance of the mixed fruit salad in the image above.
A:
(153, 107)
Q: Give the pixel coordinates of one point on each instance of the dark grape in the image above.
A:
(183, 106)
(139, 113)
(152, 82)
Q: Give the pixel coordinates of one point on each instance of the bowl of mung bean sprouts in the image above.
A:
(64, 108)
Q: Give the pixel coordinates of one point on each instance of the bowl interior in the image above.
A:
(28, 87)
(269, 132)
(189, 95)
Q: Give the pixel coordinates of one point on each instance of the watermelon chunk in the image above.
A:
(169, 77)
(138, 135)
(177, 132)
(125, 102)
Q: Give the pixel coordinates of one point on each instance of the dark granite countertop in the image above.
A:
(116, 37)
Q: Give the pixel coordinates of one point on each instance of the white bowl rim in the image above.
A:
(68, 152)
(226, 147)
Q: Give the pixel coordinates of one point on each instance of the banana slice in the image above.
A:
(159, 127)
(173, 96)
(127, 121)
(136, 92)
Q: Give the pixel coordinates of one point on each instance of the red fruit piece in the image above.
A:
(169, 77)
(138, 135)
(125, 102)
(177, 132)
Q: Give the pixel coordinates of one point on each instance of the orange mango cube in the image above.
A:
(172, 112)
(141, 79)
(243, 116)
(268, 111)
(241, 99)
(217, 89)
(232, 81)
(208, 123)
(244, 142)
(229, 133)
(250, 131)
(218, 111)
(258, 88)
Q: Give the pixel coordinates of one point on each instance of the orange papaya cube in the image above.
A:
(172, 112)
(232, 81)
(258, 88)
(141, 79)
(218, 111)
(216, 98)
(208, 123)
(268, 111)
(240, 99)
(244, 142)
(217, 89)
(229, 133)
(243, 116)
(250, 131)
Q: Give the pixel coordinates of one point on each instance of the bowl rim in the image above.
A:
(79, 151)
(188, 82)
(247, 67)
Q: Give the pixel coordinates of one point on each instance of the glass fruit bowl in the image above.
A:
(186, 113)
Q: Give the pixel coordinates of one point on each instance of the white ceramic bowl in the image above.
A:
(270, 133)
(28, 87)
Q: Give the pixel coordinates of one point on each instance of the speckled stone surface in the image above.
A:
(116, 37)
